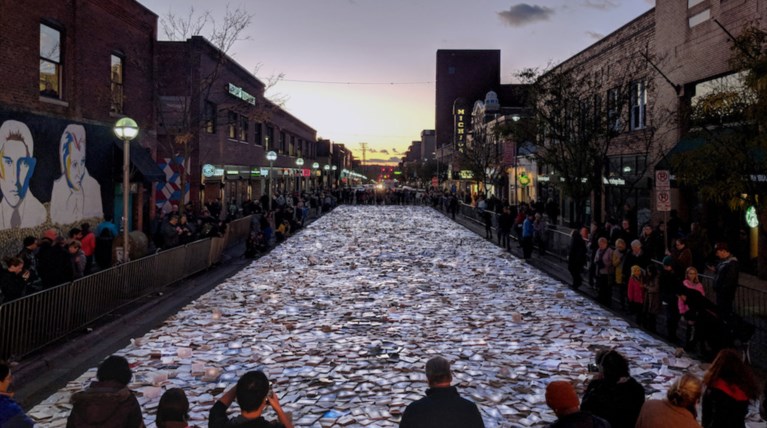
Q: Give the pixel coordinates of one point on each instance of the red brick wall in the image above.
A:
(91, 31)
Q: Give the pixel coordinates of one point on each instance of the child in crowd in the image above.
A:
(636, 291)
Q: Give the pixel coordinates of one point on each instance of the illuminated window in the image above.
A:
(50, 62)
(116, 72)
(244, 128)
(232, 125)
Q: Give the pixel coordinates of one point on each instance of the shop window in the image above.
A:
(638, 105)
(244, 128)
(116, 77)
(232, 125)
(50, 62)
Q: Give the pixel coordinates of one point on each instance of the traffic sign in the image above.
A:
(662, 179)
(663, 200)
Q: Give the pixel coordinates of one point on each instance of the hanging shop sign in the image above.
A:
(240, 93)
(523, 179)
(465, 174)
(208, 170)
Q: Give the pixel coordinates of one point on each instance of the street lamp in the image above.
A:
(126, 129)
(326, 168)
(300, 164)
(271, 157)
(334, 168)
(315, 167)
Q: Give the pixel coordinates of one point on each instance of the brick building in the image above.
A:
(215, 121)
(72, 69)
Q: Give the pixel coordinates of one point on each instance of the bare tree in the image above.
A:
(585, 117)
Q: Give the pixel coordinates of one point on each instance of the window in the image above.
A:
(50, 62)
(257, 132)
(116, 73)
(269, 138)
(210, 117)
(638, 105)
(700, 18)
(291, 145)
(691, 3)
(451, 70)
(281, 146)
(244, 128)
(614, 110)
(232, 124)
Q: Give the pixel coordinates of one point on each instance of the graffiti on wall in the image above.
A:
(169, 192)
(50, 170)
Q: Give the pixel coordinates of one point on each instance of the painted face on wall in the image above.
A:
(16, 162)
(72, 151)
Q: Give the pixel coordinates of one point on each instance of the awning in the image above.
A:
(684, 145)
(142, 161)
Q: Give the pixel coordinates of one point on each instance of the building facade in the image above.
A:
(215, 124)
(76, 68)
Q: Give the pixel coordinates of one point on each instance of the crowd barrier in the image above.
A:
(34, 321)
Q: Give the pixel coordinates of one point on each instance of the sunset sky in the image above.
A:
(364, 70)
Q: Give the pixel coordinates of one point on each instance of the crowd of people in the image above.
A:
(640, 275)
(612, 398)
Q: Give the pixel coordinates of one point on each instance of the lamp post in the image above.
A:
(315, 167)
(326, 168)
(334, 168)
(126, 129)
(271, 156)
(300, 164)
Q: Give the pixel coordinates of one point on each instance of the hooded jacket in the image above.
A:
(107, 405)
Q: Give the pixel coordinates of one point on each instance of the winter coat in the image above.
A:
(618, 403)
(580, 420)
(662, 414)
(635, 290)
(724, 406)
(12, 285)
(442, 408)
(652, 303)
(12, 415)
(578, 253)
(105, 405)
(683, 308)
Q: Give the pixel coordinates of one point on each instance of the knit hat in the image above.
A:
(560, 395)
(668, 261)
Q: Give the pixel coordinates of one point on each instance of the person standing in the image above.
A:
(603, 259)
(442, 407)
(577, 256)
(730, 385)
(726, 279)
(613, 394)
(670, 282)
(107, 402)
(13, 279)
(528, 234)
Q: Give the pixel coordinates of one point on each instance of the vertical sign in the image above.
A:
(662, 190)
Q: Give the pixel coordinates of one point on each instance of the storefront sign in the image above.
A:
(752, 220)
(208, 170)
(241, 94)
(465, 174)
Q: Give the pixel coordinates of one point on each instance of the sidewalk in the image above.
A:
(41, 374)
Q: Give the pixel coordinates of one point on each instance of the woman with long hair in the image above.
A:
(730, 385)
(691, 282)
(677, 410)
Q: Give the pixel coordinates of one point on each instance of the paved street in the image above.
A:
(343, 316)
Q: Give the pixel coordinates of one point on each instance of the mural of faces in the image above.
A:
(16, 162)
(72, 153)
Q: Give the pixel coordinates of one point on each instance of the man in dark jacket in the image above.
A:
(726, 281)
(170, 232)
(578, 255)
(107, 402)
(442, 407)
(53, 261)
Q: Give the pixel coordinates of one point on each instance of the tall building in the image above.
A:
(466, 74)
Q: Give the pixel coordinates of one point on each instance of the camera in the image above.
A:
(593, 368)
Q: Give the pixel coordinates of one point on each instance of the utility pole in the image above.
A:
(364, 151)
